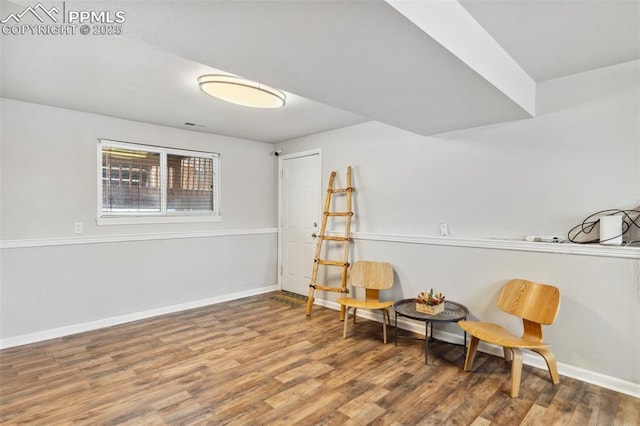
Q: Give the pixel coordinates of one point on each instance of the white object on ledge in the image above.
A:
(611, 230)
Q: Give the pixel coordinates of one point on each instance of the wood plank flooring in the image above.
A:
(256, 361)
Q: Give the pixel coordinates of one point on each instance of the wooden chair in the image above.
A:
(536, 304)
(373, 277)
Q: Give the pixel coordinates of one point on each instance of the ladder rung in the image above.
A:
(326, 288)
(341, 191)
(332, 263)
(338, 213)
(332, 238)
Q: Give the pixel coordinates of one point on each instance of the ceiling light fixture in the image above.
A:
(240, 91)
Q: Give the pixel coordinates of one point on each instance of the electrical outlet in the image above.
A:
(444, 229)
(77, 227)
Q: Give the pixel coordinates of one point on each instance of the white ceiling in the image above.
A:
(556, 38)
(340, 62)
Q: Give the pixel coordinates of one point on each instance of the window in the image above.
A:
(148, 184)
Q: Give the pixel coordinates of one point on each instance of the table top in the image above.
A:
(453, 311)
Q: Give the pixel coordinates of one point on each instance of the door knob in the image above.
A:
(314, 235)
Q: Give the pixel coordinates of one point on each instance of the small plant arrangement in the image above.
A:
(430, 303)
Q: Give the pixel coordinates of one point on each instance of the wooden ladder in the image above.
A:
(343, 239)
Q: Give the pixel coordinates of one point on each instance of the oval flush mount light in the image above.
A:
(241, 91)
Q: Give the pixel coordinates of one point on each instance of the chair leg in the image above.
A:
(507, 354)
(516, 371)
(354, 315)
(552, 365)
(346, 323)
(385, 319)
(471, 353)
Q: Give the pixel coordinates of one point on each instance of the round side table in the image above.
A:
(453, 312)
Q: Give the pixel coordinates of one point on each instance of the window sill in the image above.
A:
(140, 220)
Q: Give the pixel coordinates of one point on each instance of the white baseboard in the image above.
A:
(532, 359)
(54, 333)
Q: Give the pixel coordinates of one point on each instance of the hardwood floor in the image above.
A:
(256, 361)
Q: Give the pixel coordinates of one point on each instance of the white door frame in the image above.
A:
(281, 158)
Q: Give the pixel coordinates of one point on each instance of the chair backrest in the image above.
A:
(535, 302)
(371, 275)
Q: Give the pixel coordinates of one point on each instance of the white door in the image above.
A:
(300, 211)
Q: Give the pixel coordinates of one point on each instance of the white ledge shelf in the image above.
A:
(473, 242)
(506, 244)
(102, 239)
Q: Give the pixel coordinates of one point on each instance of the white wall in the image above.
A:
(533, 176)
(536, 176)
(52, 278)
(53, 152)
